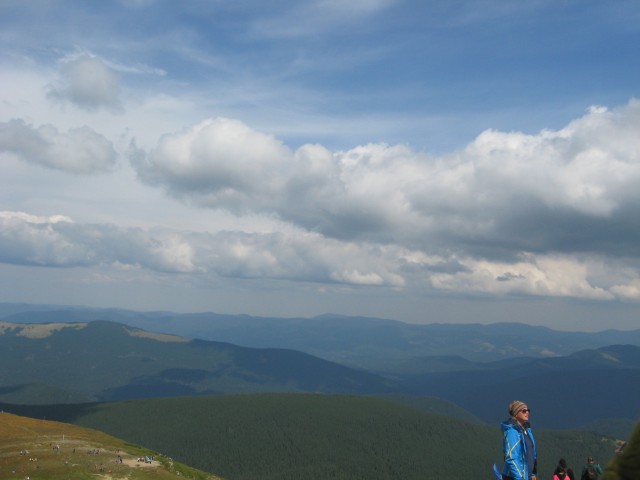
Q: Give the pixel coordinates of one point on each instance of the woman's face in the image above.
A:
(523, 415)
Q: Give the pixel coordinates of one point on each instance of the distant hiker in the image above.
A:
(563, 472)
(519, 447)
(591, 471)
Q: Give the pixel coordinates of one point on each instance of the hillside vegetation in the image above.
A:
(305, 436)
(31, 448)
(110, 361)
(626, 466)
(606, 381)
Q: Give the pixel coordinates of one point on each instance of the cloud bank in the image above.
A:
(551, 214)
(506, 193)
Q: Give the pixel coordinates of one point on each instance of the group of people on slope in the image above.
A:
(520, 455)
(591, 471)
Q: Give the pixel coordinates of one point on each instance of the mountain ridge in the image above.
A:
(104, 360)
(362, 342)
(122, 361)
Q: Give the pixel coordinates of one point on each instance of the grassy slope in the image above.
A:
(305, 436)
(54, 450)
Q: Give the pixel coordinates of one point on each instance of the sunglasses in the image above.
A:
(525, 410)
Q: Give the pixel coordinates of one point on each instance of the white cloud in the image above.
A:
(499, 217)
(80, 150)
(218, 163)
(510, 213)
(306, 257)
(30, 240)
(585, 166)
(25, 217)
(505, 192)
(541, 275)
(87, 82)
(55, 241)
(629, 291)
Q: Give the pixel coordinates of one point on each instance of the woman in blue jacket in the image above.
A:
(520, 458)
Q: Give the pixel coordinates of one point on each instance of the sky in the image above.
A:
(454, 161)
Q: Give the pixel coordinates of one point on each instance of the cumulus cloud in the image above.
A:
(218, 163)
(571, 190)
(553, 213)
(87, 82)
(79, 150)
(548, 214)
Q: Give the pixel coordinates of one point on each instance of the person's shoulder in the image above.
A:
(508, 424)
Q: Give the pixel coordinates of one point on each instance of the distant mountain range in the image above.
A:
(563, 392)
(67, 355)
(362, 342)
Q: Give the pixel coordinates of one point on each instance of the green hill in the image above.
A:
(31, 448)
(109, 361)
(307, 436)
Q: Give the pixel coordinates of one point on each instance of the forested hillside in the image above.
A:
(626, 465)
(606, 381)
(109, 361)
(303, 436)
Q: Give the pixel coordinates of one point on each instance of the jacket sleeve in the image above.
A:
(513, 464)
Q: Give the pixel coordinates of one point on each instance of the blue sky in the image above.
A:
(437, 161)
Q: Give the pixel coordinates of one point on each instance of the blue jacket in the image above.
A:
(515, 454)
